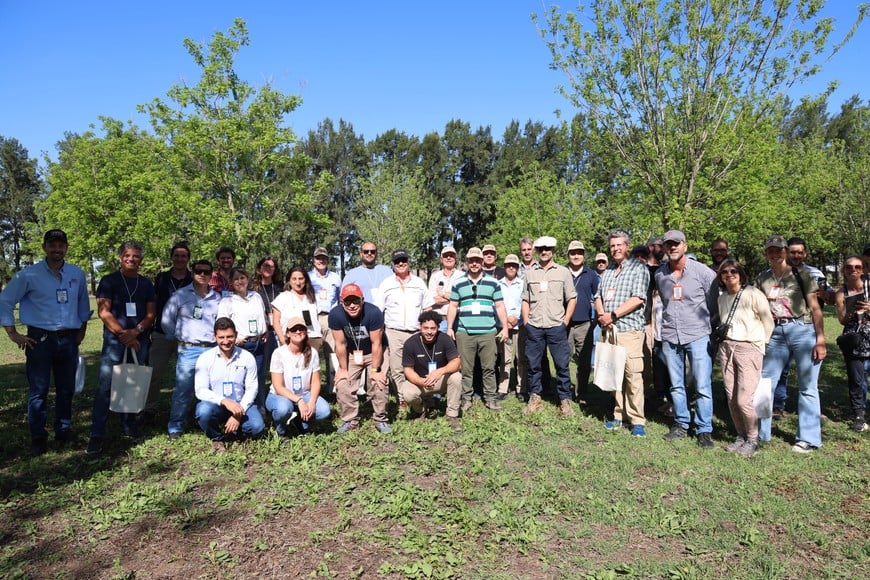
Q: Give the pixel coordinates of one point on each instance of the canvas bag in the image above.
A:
(610, 360)
(130, 382)
(763, 399)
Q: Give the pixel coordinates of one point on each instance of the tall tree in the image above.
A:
(676, 85)
(20, 187)
(232, 145)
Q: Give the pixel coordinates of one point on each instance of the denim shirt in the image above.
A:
(47, 301)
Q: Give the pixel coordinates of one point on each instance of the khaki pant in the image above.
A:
(345, 393)
(629, 401)
(508, 353)
(451, 385)
(397, 339)
(741, 371)
(327, 350)
(481, 346)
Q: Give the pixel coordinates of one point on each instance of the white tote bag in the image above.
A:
(130, 382)
(763, 399)
(609, 362)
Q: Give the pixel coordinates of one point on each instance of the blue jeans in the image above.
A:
(112, 354)
(537, 341)
(796, 340)
(258, 349)
(182, 394)
(780, 389)
(281, 409)
(210, 418)
(698, 352)
(51, 354)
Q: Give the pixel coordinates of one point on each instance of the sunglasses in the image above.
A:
(729, 271)
(369, 251)
(202, 272)
(401, 261)
(352, 300)
(545, 248)
(854, 266)
(297, 329)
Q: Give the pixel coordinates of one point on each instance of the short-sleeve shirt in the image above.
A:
(357, 331)
(121, 290)
(297, 376)
(476, 304)
(689, 302)
(326, 289)
(417, 354)
(548, 292)
(615, 289)
(165, 285)
(784, 295)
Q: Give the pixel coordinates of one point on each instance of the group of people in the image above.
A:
(467, 333)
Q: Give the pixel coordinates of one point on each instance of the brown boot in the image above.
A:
(567, 410)
(454, 423)
(534, 405)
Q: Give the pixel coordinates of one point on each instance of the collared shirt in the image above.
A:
(217, 379)
(476, 300)
(440, 283)
(165, 285)
(297, 376)
(548, 292)
(512, 293)
(220, 284)
(369, 280)
(586, 283)
(784, 294)
(615, 289)
(402, 301)
(138, 292)
(47, 300)
(189, 317)
(689, 302)
(326, 290)
(246, 313)
(524, 269)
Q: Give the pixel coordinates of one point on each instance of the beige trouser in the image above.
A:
(629, 401)
(508, 353)
(397, 339)
(741, 371)
(451, 385)
(345, 393)
(327, 351)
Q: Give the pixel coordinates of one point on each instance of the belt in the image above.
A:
(61, 332)
(781, 321)
(205, 344)
(402, 330)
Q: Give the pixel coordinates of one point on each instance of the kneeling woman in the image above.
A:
(295, 369)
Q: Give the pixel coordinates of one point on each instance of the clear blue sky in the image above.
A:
(407, 65)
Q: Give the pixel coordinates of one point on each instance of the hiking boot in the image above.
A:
(858, 425)
(738, 443)
(218, 447)
(638, 431)
(66, 437)
(38, 446)
(676, 432)
(382, 427)
(778, 413)
(95, 446)
(613, 425)
(534, 405)
(493, 405)
(749, 448)
(802, 447)
(565, 407)
(454, 424)
(347, 426)
(705, 441)
(466, 405)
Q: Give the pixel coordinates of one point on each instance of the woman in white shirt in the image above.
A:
(294, 396)
(297, 300)
(245, 308)
(742, 351)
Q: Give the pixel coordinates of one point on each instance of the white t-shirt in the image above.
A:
(296, 377)
(290, 304)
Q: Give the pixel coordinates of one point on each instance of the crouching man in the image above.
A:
(431, 362)
(226, 386)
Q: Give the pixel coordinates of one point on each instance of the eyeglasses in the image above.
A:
(449, 256)
(854, 266)
(729, 271)
(545, 248)
(514, 266)
(297, 329)
(368, 251)
(202, 272)
(352, 300)
(600, 261)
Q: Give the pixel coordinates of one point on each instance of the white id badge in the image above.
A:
(433, 366)
(475, 308)
(544, 285)
(357, 357)
(62, 296)
(252, 328)
(774, 292)
(678, 292)
(197, 312)
(296, 384)
(322, 294)
(610, 294)
(228, 388)
(131, 309)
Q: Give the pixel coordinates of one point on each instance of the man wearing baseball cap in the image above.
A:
(512, 348)
(53, 298)
(582, 325)
(441, 282)
(358, 328)
(490, 267)
(326, 285)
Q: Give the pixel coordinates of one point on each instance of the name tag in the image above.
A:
(433, 366)
(322, 294)
(610, 294)
(296, 384)
(62, 296)
(545, 285)
(252, 328)
(677, 293)
(197, 312)
(131, 309)
(226, 293)
(357, 357)
(774, 292)
(475, 308)
(228, 388)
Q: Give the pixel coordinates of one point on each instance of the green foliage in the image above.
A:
(20, 187)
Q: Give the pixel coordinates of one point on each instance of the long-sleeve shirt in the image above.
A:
(752, 320)
(217, 378)
(47, 300)
(189, 317)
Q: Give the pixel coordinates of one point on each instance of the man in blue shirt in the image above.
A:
(54, 305)
(369, 275)
(189, 318)
(127, 304)
(582, 325)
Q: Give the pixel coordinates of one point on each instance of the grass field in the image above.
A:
(511, 496)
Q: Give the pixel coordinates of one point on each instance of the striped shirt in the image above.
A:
(476, 304)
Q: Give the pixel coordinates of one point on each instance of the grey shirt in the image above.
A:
(689, 304)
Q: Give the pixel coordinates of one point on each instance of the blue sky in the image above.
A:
(408, 65)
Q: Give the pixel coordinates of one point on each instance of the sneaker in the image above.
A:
(676, 432)
(175, 436)
(738, 443)
(218, 447)
(749, 448)
(501, 396)
(638, 431)
(382, 427)
(778, 413)
(613, 425)
(565, 406)
(705, 441)
(666, 409)
(802, 447)
(95, 446)
(347, 426)
(534, 405)
(66, 437)
(38, 446)
(493, 405)
(454, 424)
(858, 425)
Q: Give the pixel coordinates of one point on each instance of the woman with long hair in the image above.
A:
(743, 309)
(294, 397)
(267, 283)
(297, 299)
(853, 311)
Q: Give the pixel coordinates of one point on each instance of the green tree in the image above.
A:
(20, 187)
(675, 87)
(232, 146)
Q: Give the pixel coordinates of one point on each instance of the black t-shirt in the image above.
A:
(417, 354)
(138, 291)
(166, 285)
(357, 330)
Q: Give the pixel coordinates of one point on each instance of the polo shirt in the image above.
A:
(417, 354)
(689, 318)
(788, 301)
(369, 280)
(47, 300)
(512, 293)
(586, 285)
(547, 292)
(476, 304)
(217, 379)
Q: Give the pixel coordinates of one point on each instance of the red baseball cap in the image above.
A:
(351, 290)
